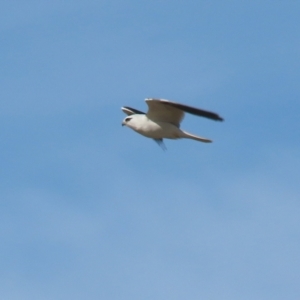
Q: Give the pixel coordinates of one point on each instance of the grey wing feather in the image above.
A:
(191, 110)
(159, 111)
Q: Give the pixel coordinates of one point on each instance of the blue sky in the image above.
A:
(91, 210)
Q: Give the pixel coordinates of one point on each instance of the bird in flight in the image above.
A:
(163, 120)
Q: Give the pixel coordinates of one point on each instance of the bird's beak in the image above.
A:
(123, 123)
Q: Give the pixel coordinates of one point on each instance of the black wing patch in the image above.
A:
(195, 111)
(134, 110)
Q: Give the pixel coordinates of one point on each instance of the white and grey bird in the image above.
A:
(163, 120)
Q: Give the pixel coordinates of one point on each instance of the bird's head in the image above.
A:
(127, 121)
(134, 121)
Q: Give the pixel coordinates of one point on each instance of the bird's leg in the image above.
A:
(160, 142)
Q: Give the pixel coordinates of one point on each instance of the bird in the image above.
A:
(162, 120)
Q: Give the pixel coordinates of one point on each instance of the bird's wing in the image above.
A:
(131, 111)
(183, 108)
(160, 110)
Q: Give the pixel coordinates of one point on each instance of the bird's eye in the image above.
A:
(128, 119)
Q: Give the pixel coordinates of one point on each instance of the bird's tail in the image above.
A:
(195, 137)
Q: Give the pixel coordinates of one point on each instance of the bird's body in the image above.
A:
(163, 120)
(153, 129)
